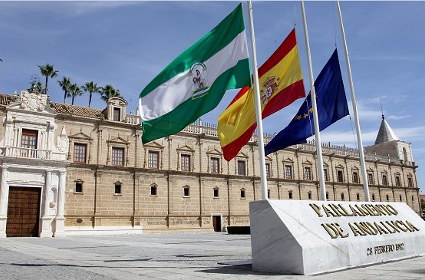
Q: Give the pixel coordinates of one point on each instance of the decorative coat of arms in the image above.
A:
(270, 86)
(200, 85)
(33, 101)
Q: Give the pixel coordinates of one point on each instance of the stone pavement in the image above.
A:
(161, 256)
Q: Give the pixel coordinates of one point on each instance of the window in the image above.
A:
(268, 193)
(117, 188)
(290, 194)
(397, 181)
(267, 170)
(80, 151)
(373, 197)
(309, 195)
(340, 176)
(288, 171)
(215, 165)
(154, 189)
(215, 192)
(307, 173)
(384, 180)
(185, 162)
(325, 172)
(79, 186)
(117, 114)
(342, 196)
(241, 167)
(358, 196)
(370, 178)
(242, 193)
(387, 197)
(117, 156)
(409, 182)
(186, 191)
(400, 197)
(355, 177)
(153, 159)
(327, 195)
(29, 142)
(413, 198)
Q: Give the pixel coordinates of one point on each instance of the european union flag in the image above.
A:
(331, 106)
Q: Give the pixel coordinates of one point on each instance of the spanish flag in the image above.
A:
(281, 83)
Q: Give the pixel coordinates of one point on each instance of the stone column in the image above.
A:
(4, 198)
(60, 215)
(46, 219)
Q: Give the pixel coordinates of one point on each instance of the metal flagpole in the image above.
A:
(258, 112)
(315, 115)
(356, 116)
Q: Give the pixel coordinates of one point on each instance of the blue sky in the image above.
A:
(127, 44)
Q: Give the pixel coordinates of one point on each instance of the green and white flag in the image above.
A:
(195, 82)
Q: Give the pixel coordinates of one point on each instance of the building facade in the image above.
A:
(83, 170)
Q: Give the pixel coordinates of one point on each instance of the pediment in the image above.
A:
(214, 151)
(81, 136)
(186, 148)
(154, 145)
(241, 155)
(118, 140)
(340, 166)
(307, 162)
(288, 160)
(268, 159)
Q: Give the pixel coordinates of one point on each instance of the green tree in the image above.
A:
(109, 91)
(91, 88)
(75, 90)
(48, 71)
(35, 84)
(65, 84)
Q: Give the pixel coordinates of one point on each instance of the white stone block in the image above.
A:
(309, 237)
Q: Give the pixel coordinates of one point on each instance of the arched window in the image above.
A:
(373, 197)
(268, 193)
(327, 195)
(309, 195)
(290, 194)
(242, 193)
(117, 188)
(215, 192)
(387, 197)
(186, 191)
(358, 196)
(154, 189)
(342, 196)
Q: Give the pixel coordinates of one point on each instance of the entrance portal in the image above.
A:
(23, 212)
(217, 223)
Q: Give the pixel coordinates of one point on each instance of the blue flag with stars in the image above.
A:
(331, 106)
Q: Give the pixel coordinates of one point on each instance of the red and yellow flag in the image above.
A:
(281, 83)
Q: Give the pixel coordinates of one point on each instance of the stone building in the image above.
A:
(67, 169)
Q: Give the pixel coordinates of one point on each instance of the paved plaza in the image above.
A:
(186, 255)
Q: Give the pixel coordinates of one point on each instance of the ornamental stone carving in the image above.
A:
(33, 101)
(63, 142)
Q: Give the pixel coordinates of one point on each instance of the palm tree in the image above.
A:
(109, 91)
(65, 85)
(91, 87)
(75, 90)
(49, 72)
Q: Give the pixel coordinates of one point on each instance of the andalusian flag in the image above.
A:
(195, 82)
(281, 84)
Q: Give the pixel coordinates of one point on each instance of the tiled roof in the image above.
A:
(385, 133)
(61, 108)
(6, 99)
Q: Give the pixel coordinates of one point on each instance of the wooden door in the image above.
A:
(23, 212)
(217, 223)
